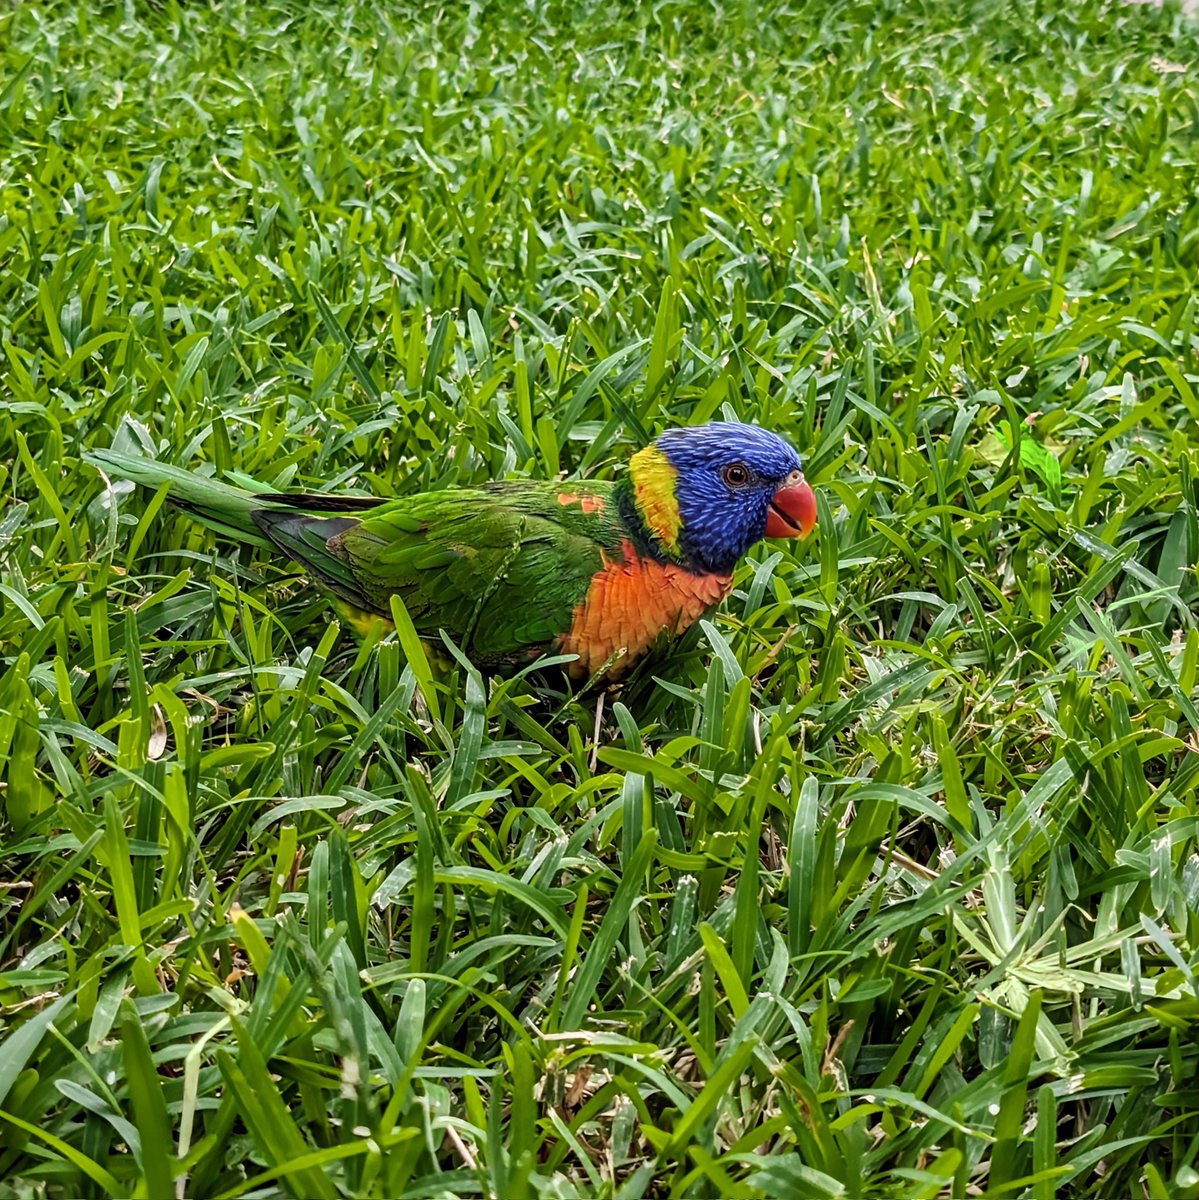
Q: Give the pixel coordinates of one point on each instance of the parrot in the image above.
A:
(603, 571)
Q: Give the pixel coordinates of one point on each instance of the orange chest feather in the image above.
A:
(629, 604)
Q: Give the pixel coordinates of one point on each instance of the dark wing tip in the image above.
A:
(315, 502)
(293, 525)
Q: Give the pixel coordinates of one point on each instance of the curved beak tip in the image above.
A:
(792, 512)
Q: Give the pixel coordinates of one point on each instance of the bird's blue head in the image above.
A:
(709, 492)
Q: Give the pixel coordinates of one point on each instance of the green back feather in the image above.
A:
(500, 568)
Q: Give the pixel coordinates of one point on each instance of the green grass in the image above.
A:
(887, 885)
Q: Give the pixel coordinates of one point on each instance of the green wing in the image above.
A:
(499, 568)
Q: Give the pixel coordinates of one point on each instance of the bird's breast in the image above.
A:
(630, 602)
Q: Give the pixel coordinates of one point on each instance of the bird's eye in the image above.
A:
(736, 475)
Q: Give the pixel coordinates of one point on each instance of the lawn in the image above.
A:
(886, 884)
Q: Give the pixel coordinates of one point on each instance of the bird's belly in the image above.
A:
(362, 621)
(629, 604)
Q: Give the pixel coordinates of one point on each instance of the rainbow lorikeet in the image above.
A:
(517, 569)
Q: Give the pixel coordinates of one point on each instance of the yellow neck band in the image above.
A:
(653, 480)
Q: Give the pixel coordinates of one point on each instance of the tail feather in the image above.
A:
(292, 522)
(218, 505)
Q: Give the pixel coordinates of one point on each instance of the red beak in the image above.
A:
(792, 512)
